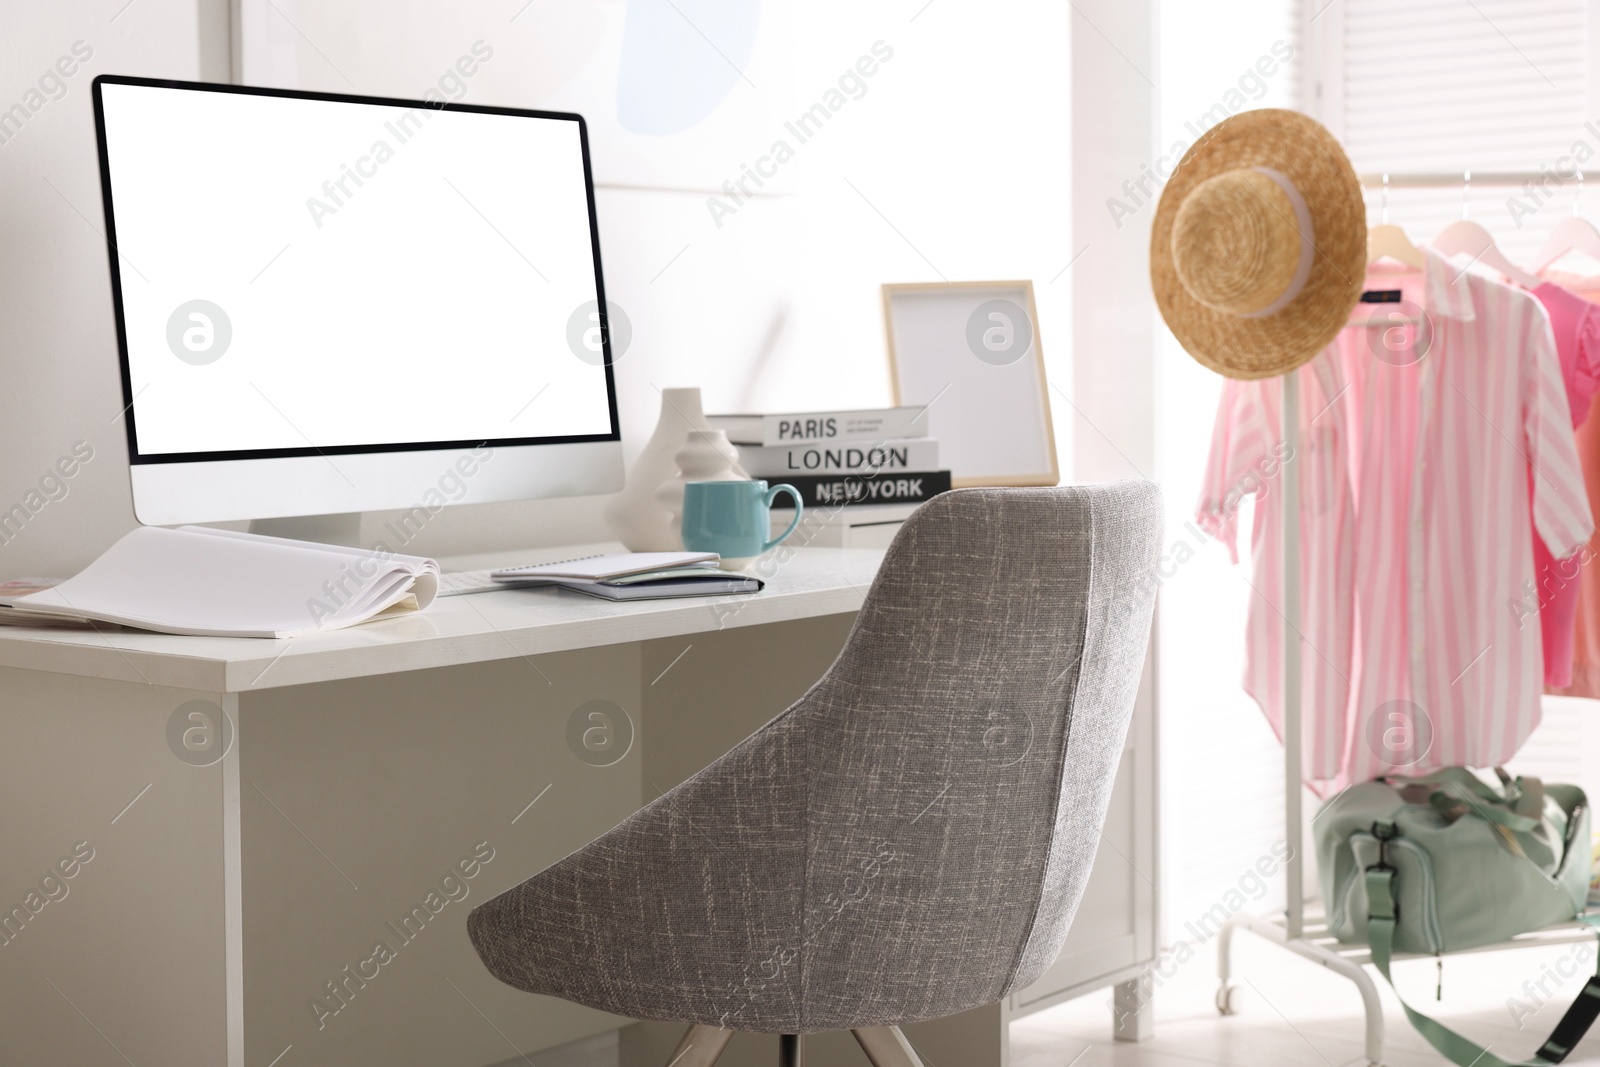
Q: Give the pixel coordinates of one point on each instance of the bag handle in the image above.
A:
(1449, 795)
(1517, 809)
(1457, 1049)
(1523, 794)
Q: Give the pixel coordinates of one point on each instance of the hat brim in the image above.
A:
(1303, 150)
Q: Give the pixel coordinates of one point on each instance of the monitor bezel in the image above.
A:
(113, 258)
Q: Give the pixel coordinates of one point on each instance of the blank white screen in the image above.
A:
(428, 303)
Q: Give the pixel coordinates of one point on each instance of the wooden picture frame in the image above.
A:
(988, 404)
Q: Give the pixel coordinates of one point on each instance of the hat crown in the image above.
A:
(1236, 246)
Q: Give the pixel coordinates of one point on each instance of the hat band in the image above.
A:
(1302, 270)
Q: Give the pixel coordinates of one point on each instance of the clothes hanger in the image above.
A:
(1385, 240)
(1465, 237)
(1571, 234)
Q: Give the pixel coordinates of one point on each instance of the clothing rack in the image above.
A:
(1291, 930)
(1445, 179)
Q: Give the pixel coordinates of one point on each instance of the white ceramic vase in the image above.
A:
(706, 456)
(635, 515)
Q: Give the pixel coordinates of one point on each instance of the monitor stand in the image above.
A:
(341, 529)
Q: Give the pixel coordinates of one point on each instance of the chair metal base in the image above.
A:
(700, 1046)
(885, 1046)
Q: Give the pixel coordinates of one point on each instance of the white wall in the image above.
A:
(1222, 766)
(58, 355)
(1111, 413)
(953, 163)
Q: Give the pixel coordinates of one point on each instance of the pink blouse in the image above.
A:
(1576, 325)
(1420, 443)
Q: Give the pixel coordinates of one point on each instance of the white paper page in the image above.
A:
(195, 582)
(423, 569)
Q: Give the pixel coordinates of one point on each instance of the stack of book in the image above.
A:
(877, 456)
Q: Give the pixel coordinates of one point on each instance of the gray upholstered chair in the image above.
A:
(912, 837)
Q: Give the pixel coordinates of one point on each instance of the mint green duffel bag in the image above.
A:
(1447, 862)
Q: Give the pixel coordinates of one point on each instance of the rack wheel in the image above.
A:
(1228, 997)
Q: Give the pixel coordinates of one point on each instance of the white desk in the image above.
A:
(453, 631)
(223, 900)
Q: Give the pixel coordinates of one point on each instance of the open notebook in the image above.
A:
(222, 583)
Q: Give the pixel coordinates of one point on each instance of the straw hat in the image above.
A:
(1259, 244)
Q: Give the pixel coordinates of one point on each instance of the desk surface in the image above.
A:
(453, 630)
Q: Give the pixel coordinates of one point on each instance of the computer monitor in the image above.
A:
(333, 304)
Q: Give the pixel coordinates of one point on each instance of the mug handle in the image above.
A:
(799, 510)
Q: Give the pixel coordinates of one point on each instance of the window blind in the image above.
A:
(1464, 85)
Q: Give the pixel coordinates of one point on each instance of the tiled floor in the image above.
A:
(1295, 1012)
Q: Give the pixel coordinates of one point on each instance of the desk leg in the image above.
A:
(1132, 1010)
(233, 890)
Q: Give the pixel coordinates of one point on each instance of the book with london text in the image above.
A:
(835, 490)
(861, 457)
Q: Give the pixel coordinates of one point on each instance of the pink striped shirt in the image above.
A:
(1420, 445)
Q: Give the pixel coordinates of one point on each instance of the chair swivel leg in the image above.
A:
(886, 1046)
(700, 1047)
(791, 1050)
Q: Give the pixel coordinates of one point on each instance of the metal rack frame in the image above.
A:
(1291, 930)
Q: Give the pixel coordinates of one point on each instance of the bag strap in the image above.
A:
(1456, 1048)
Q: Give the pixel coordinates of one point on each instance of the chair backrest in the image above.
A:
(911, 838)
(962, 749)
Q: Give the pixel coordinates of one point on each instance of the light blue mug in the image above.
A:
(733, 519)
